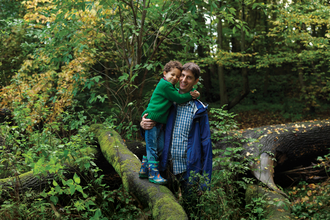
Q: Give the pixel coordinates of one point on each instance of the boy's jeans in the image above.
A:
(154, 142)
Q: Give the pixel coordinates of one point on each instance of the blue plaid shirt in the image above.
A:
(184, 118)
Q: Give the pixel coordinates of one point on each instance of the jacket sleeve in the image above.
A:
(172, 94)
(206, 147)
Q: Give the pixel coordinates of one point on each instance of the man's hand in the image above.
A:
(146, 123)
(194, 94)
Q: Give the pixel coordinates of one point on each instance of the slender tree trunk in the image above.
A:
(107, 86)
(266, 83)
(221, 74)
(202, 50)
(246, 88)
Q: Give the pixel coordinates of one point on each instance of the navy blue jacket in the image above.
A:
(199, 150)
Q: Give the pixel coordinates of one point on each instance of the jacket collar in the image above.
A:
(201, 108)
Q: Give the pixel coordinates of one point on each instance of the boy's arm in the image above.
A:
(170, 93)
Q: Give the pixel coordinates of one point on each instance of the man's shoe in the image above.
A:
(143, 174)
(154, 175)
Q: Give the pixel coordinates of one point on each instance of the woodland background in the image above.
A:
(66, 64)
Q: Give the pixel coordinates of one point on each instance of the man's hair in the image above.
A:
(194, 68)
(171, 65)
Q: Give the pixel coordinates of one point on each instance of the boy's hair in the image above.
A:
(194, 68)
(171, 65)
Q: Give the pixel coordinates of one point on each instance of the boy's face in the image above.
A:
(187, 81)
(173, 75)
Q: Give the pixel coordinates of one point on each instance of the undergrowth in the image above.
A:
(60, 155)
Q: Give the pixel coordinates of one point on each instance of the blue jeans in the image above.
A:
(154, 142)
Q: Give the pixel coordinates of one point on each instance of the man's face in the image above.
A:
(187, 81)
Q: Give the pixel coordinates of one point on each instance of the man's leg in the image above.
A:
(190, 194)
(160, 140)
(172, 182)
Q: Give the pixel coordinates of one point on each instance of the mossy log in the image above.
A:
(26, 181)
(283, 146)
(159, 198)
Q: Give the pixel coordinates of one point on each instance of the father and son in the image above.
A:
(176, 129)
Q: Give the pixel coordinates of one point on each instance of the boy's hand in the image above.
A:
(195, 94)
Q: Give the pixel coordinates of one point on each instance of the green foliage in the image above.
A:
(310, 201)
(221, 121)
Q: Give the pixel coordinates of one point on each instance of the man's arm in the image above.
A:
(147, 123)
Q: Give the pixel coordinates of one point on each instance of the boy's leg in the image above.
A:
(151, 143)
(151, 149)
(143, 173)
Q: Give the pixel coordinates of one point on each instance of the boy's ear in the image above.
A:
(164, 73)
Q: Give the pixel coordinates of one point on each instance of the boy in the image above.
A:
(158, 108)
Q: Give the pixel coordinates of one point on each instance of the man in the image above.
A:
(187, 135)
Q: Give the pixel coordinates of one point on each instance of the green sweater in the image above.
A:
(162, 99)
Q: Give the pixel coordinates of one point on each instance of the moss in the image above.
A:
(164, 189)
(169, 209)
(152, 192)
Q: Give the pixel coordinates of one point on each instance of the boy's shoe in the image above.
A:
(154, 175)
(143, 174)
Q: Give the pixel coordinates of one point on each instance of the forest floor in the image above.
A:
(256, 118)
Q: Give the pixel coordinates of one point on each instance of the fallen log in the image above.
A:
(159, 198)
(282, 146)
(38, 182)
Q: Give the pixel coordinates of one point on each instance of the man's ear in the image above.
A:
(196, 81)
(164, 73)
